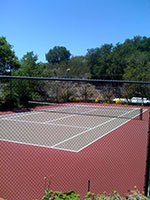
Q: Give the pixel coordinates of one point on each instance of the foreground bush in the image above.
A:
(132, 195)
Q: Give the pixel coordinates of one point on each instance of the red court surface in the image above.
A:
(117, 161)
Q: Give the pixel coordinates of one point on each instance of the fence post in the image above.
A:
(147, 175)
(89, 185)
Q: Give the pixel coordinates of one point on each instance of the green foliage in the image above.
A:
(132, 195)
(8, 60)
(17, 93)
(8, 100)
(116, 62)
(78, 66)
(44, 70)
(25, 90)
(138, 67)
(129, 60)
(49, 194)
(28, 65)
(57, 55)
(99, 60)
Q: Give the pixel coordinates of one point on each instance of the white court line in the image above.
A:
(47, 123)
(26, 113)
(15, 115)
(59, 118)
(63, 149)
(103, 135)
(12, 116)
(91, 129)
(104, 107)
(37, 145)
(69, 116)
(108, 132)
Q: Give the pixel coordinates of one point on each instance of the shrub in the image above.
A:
(97, 100)
(75, 99)
(132, 195)
(86, 92)
(8, 101)
(59, 195)
(108, 95)
(119, 101)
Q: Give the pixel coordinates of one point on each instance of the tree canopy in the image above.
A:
(124, 61)
(129, 60)
(8, 60)
(114, 62)
(57, 54)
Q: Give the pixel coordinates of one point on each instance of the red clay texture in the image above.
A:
(115, 162)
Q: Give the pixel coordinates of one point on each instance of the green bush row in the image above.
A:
(57, 195)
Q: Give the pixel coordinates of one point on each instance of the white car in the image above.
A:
(136, 100)
(139, 100)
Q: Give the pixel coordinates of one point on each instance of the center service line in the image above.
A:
(89, 129)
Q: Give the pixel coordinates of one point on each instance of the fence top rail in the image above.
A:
(74, 79)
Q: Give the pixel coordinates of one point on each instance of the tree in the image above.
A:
(138, 70)
(8, 60)
(78, 67)
(99, 60)
(25, 90)
(118, 61)
(29, 67)
(57, 54)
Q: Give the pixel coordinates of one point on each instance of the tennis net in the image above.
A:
(90, 110)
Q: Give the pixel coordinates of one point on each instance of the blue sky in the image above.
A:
(78, 25)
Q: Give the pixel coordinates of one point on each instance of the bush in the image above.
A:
(97, 100)
(108, 95)
(86, 92)
(75, 99)
(119, 101)
(8, 101)
(59, 195)
(132, 195)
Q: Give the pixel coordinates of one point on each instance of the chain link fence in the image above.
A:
(73, 134)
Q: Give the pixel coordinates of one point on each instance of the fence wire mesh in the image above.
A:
(65, 133)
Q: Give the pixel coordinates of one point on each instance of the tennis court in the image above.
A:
(65, 127)
(75, 143)
(71, 140)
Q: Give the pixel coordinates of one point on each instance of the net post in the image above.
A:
(147, 175)
(141, 113)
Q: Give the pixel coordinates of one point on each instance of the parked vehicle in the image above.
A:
(134, 100)
(139, 100)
